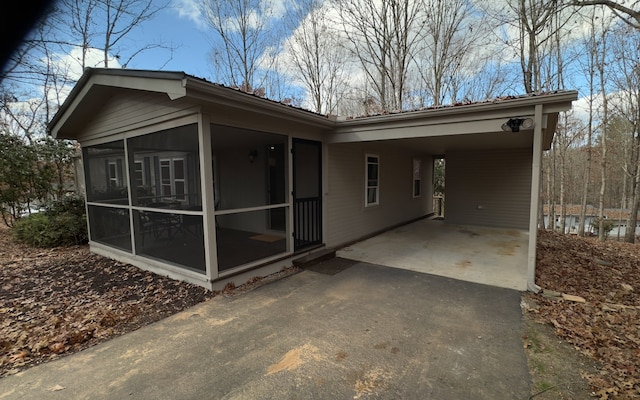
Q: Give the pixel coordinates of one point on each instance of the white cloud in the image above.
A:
(71, 64)
(190, 9)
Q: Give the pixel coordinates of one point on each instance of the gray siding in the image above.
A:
(347, 218)
(488, 188)
(126, 112)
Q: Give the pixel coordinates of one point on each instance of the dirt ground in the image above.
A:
(56, 302)
(557, 369)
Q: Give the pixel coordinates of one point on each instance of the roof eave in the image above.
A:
(170, 83)
(554, 102)
(216, 94)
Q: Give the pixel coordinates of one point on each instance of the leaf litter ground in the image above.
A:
(55, 302)
(605, 328)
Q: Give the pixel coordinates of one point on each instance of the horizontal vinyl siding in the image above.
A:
(488, 188)
(347, 217)
(122, 111)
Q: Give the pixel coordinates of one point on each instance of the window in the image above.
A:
(372, 188)
(139, 174)
(172, 178)
(104, 166)
(114, 182)
(165, 169)
(417, 176)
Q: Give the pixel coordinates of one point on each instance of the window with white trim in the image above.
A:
(172, 178)
(113, 176)
(417, 177)
(372, 184)
(139, 174)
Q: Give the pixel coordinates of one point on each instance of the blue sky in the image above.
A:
(175, 26)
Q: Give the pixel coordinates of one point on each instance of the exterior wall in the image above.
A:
(489, 188)
(347, 218)
(127, 112)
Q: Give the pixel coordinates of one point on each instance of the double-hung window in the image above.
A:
(112, 175)
(372, 186)
(172, 178)
(139, 172)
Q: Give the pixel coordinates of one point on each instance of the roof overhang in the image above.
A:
(441, 128)
(89, 93)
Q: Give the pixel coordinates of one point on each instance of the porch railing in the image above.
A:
(307, 230)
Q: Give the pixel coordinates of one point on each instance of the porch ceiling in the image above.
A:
(441, 145)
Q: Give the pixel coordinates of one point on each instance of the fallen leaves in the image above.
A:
(60, 301)
(598, 311)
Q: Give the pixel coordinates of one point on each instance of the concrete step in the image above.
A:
(315, 257)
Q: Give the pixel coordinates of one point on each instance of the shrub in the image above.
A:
(607, 224)
(63, 223)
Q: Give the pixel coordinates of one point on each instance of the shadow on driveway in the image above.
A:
(359, 331)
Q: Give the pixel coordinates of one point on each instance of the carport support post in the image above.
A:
(535, 200)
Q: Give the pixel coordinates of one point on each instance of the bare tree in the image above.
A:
(446, 42)
(52, 56)
(242, 33)
(383, 35)
(600, 64)
(120, 18)
(568, 133)
(550, 169)
(626, 52)
(629, 14)
(317, 57)
(537, 23)
(591, 48)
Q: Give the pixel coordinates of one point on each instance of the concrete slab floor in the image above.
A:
(367, 332)
(491, 256)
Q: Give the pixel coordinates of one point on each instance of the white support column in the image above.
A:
(536, 168)
(208, 206)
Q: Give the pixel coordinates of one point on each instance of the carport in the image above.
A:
(493, 155)
(490, 256)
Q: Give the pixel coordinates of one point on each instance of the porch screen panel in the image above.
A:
(167, 171)
(250, 187)
(251, 168)
(171, 237)
(110, 226)
(242, 237)
(105, 174)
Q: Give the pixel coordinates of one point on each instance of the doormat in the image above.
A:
(332, 266)
(267, 238)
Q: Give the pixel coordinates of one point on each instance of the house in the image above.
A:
(208, 184)
(617, 216)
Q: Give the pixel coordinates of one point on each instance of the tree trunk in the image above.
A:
(630, 231)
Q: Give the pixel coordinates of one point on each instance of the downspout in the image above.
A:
(536, 167)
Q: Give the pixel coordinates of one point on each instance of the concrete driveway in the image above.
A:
(365, 332)
(491, 256)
